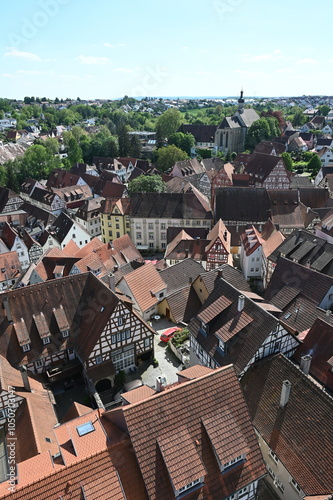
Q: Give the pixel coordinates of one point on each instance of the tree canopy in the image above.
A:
(168, 123)
(182, 141)
(146, 184)
(261, 130)
(168, 156)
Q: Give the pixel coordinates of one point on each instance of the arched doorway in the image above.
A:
(103, 385)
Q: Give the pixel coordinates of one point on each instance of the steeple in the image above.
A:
(241, 103)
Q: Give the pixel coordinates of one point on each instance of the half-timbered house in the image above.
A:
(218, 248)
(72, 323)
(232, 328)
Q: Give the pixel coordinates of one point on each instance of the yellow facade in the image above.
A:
(114, 225)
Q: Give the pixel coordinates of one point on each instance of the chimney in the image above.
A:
(305, 364)
(186, 252)
(285, 393)
(241, 303)
(7, 308)
(160, 383)
(112, 282)
(220, 273)
(328, 315)
(25, 378)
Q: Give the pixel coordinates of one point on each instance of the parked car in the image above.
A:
(169, 333)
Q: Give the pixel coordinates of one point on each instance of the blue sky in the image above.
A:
(106, 48)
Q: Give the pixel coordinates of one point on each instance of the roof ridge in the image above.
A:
(176, 387)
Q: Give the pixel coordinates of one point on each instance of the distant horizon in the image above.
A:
(174, 97)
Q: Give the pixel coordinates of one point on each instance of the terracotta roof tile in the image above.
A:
(157, 447)
(143, 283)
(179, 450)
(193, 372)
(138, 394)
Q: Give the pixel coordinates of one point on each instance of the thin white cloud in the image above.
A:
(276, 55)
(28, 56)
(93, 60)
(307, 60)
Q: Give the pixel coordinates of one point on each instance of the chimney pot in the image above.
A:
(305, 364)
(25, 378)
(112, 282)
(285, 393)
(241, 303)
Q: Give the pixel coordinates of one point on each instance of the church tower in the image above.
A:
(241, 103)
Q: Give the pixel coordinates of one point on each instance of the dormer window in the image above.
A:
(46, 340)
(233, 462)
(190, 485)
(222, 346)
(26, 347)
(65, 333)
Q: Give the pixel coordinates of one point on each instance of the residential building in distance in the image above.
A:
(152, 213)
(88, 216)
(115, 221)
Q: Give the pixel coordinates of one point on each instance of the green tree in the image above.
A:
(135, 146)
(146, 184)
(182, 141)
(168, 156)
(260, 130)
(314, 165)
(52, 145)
(167, 124)
(324, 110)
(37, 162)
(123, 140)
(11, 175)
(3, 175)
(287, 159)
(74, 152)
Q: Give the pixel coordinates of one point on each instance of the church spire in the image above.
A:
(241, 103)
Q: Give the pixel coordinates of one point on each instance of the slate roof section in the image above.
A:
(309, 283)
(238, 204)
(318, 343)
(183, 304)
(230, 274)
(244, 331)
(182, 400)
(301, 433)
(181, 274)
(201, 133)
(169, 206)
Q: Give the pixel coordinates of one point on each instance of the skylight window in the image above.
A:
(84, 429)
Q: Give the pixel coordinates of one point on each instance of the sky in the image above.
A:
(105, 49)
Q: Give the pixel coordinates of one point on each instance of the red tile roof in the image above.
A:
(155, 442)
